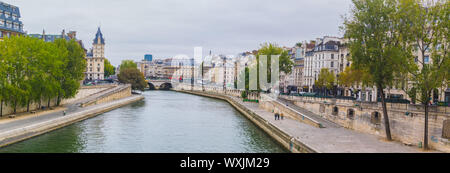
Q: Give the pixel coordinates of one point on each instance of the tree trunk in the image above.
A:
(28, 105)
(385, 115)
(48, 103)
(15, 106)
(40, 105)
(425, 137)
(1, 107)
(58, 100)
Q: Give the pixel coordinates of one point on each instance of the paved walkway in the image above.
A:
(324, 122)
(334, 138)
(71, 109)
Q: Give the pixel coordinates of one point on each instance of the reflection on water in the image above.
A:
(165, 122)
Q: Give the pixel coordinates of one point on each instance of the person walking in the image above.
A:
(282, 116)
(64, 113)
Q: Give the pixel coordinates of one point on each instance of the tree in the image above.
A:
(326, 79)
(109, 69)
(425, 37)
(299, 44)
(269, 50)
(127, 64)
(374, 42)
(134, 77)
(351, 77)
(32, 70)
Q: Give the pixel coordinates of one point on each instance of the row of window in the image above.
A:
(90, 69)
(101, 60)
(8, 24)
(9, 15)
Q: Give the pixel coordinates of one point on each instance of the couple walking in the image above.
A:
(278, 115)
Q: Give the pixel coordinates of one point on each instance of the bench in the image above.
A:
(12, 116)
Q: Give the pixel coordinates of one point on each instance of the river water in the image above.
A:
(164, 122)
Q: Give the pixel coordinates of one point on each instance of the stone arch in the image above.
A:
(165, 86)
(335, 111)
(151, 86)
(351, 114)
(375, 118)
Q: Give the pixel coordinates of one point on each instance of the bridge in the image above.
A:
(160, 84)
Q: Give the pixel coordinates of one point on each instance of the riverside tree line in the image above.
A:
(35, 71)
(401, 43)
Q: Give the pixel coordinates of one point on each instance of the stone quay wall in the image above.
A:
(118, 92)
(282, 137)
(406, 120)
(83, 92)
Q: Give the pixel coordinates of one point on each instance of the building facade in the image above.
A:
(324, 55)
(95, 59)
(10, 24)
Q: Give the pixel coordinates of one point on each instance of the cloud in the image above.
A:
(166, 28)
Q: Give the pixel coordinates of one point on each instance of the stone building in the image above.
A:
(10, 24)
(324, 55)
(95, 58)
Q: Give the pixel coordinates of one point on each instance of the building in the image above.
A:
(324, 55)
(95, 58)
(148, 57)
(10, 24)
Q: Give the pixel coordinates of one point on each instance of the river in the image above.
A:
(164, 122)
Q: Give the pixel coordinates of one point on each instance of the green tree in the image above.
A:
(269, 50)
(351, 76)
(326, 79)
(73, 62)
(109, 69)
(127, 64)
(425, 36)
(374, 43)
(134, 77)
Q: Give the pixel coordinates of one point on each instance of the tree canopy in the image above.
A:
(109, 69)
(32, 70)
(134, 77)
(127, 64)
(325, 79)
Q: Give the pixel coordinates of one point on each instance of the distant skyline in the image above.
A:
(166, 28)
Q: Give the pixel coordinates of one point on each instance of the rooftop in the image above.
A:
(9, 18)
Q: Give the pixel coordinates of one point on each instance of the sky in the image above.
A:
(166, 28)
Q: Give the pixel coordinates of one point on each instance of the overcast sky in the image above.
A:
(166, 28)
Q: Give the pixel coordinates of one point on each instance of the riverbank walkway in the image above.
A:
(8, 127)
(333, 138)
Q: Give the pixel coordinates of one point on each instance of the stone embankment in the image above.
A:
(94, 104)
(301, 131)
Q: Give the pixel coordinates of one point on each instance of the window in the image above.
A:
(335, 111)
(426, 59)
(375, 119)
(351, 114)
(332, 64)
(332, 56)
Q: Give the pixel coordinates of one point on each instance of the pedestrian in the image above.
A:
(282, 116)
(64, 113)
(275, 115)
